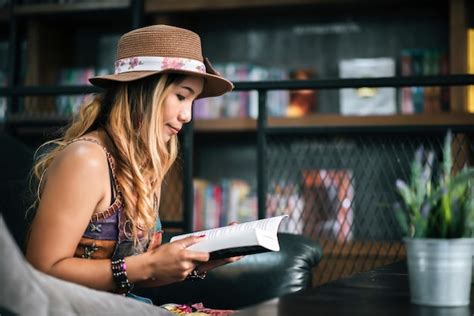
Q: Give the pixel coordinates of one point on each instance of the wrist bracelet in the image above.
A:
(196, 275)
(119, 274)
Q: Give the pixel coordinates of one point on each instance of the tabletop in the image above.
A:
(383, 291)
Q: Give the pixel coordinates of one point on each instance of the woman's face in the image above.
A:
(178, 104)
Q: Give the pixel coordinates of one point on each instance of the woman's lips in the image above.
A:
(173, 129)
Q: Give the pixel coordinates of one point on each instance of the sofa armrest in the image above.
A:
(27, 291)
(253, 279)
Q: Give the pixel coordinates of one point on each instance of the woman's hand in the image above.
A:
(207, 266)
(219, 262)
(172, 262)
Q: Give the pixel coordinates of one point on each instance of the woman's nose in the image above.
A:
(185, 115)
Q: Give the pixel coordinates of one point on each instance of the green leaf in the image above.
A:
(402, 221)
(405, 192)
(447, 157)
(461, 178)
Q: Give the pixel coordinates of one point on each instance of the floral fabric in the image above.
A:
(152, 63)
(197, 309)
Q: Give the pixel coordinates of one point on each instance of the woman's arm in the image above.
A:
(77, 184)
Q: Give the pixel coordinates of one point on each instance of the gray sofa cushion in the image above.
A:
(27, 291)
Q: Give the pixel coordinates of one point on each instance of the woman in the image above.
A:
(99, 188)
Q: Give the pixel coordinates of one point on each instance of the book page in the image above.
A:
(268, 224)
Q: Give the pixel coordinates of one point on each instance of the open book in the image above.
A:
(238, 240)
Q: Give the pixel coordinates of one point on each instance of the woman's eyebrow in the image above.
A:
(188, 88)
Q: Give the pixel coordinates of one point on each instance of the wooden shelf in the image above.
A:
(163, 6)
(38, 119)
(225, 125)
(334, 120)
(72, 7)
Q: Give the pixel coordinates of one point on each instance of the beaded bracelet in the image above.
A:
(119, 274)
(196, 275)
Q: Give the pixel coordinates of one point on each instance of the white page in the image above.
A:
(268, 224)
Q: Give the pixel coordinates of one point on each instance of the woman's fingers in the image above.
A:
(233, 259)
(197, 256)
(191, 255)
(217, 263)
(188, 241)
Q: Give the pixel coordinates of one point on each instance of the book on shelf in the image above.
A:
(328, 202)
(243, 103)
(302, 102)
(69, 104)
(429, 99)
(239, 239)
(216, 204)
(367, 100)
(470, 65)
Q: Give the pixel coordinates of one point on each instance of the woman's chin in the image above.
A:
(167, 138)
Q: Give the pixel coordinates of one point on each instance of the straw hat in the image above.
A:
(163, 49)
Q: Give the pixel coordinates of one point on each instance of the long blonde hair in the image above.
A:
(132, 114)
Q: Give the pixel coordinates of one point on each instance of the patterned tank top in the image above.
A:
(108, 232)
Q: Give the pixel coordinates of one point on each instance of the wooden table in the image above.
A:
(383, 291)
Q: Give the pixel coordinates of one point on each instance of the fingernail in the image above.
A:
(200, 236)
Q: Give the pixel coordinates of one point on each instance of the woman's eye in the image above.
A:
(180, 97)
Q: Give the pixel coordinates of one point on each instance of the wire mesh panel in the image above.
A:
(339, 188)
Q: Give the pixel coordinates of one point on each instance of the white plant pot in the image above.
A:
(440, 270)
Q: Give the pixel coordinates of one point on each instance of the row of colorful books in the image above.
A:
(356, 101)
(218, 204)
(69, 104)
(244, 103)
(321, 197)
(66, 104)
(422, 62)
(361, 101)
(383, 101)
(234, 200)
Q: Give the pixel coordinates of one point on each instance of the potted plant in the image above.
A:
(437, 217)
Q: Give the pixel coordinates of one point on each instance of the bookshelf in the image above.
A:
(44, 66)
(239, 31)
(53, 9)
(50, 63)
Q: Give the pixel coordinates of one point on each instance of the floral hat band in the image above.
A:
(156, 63)
(160, 49)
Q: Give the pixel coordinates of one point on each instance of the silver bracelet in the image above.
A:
(196, 275)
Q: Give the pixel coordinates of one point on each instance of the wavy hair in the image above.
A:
(132, 115)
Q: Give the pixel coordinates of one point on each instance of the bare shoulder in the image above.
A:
(80, 157)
